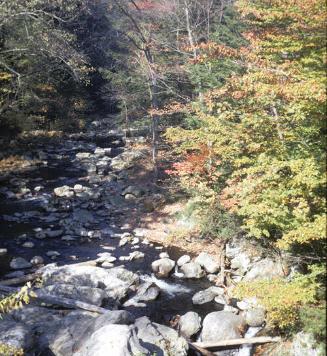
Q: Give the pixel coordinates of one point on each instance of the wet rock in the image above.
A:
(105, 257)
(3, 251)
(207, 295)
(53, 254)
(255, 317)
(183, 259)
(190, 324)
(207, 262)
(159, 339)
(16, 335)
(221, 325)
(146, 292)
(89, 295)
(28, 244)
(163, 266)
(64, 191)
(37, 260)
(192, 270)
(19, 263)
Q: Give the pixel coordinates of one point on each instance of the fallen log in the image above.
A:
(65, 302)
(236, 342)
(18, 280)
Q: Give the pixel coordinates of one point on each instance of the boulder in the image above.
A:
(112, 339)
(159, 339)
(89, 295)
(207, 295)
(207, 262)
(19, 263)
(115, 281)
(221, 325)
(266, 268)
(17, 335)
(190, 324)
(192, 270)
(163, 266)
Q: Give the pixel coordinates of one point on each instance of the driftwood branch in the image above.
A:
(65, 302)
(18, 280)
(236, 342)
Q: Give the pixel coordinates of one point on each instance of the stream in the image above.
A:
(90, 217)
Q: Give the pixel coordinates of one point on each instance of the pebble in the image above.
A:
(53, 254)
(164, 255)
(19, 263)
(3, 251)
(37, 260)
(28, 244)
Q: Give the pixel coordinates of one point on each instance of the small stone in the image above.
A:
(164, 255)
(220, 300)
(37, 260)
(68, 238)
(163, 266)
(28, 244)
(78, 188)
(255, 317)
(3, 251)
(135, 241)
(19, 263)
(136, 255)
(183, 259)
(53, 254)
(190, 324)
(107, 264)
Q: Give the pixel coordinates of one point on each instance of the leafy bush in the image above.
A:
(283, 299)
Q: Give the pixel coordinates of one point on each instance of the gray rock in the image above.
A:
(207, 295)
(304, 344)
(221, 325)
(37, 260)
(60, 337)
(116, 281)
(64, 191)
(89, 295)
(183, 259)
(163, 266)
(265, 269)
(159, 339)
(83, 155)
(145, 293)
(3, 251)
(190, 324)
(19, 263)
(255, 317)
(17, 335)
(28, 244)
(136, 191)
(207, 262)
(192, 270)
(113, 339)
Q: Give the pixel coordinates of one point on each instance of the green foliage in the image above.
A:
(284, 300)
(7, 350)
(16, 300)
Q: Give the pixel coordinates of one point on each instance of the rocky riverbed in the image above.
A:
(76, 206)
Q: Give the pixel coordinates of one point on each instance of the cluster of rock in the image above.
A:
(37, 329)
